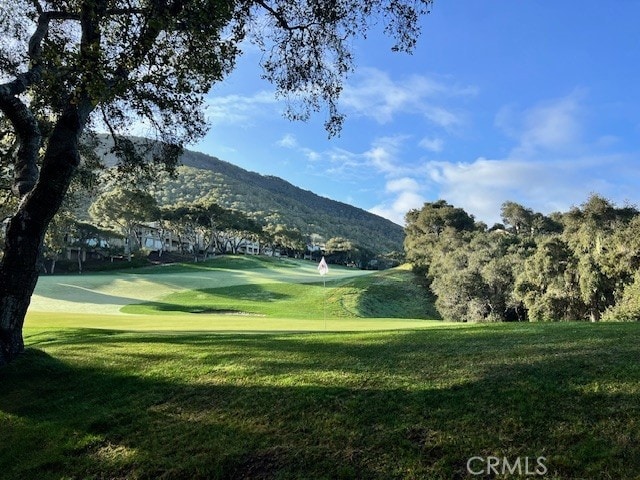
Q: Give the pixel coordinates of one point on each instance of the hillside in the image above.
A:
(270, 199)
(274, 200)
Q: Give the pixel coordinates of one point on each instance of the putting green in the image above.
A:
(108, 293)
(96, 300)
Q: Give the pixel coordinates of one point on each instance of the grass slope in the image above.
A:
(406, 404)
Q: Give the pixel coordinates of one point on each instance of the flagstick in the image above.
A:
(323, 269)
(324, 301)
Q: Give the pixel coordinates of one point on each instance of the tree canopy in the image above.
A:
(577, 265)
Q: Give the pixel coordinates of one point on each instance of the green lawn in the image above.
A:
(403, 404)
(109, 292)
(382, 294)
(252, 368)
(233, 294)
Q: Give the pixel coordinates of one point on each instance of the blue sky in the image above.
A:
(529, 101)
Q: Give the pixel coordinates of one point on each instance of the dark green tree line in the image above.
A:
(578, 265)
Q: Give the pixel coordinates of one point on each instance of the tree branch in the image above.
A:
(35, 42)
(124, 11)
(157, 17)
(28, 133)
(37, 6)
(280, 18)
(24, 80)
(24, 122)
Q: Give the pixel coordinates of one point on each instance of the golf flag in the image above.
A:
(323, 268)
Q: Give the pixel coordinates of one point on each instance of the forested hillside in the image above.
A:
(273, 200)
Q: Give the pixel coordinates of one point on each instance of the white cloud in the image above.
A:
(407, 197)
(382, 157)
(554, 125)
(342, 164)
(384, 153)
(482, 172)
(432, 144)
(287, 141)
(239, 109)
(311, 155)
(373, 93)
(482, 186)
(550, 167)
(545, 185)
(402, 184)
(441, 116)
(540, 179)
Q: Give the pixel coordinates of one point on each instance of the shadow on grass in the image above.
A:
(72, 288)
(78, 294)
(399, 405)
(209, 300)
(165, 307)
(396, 301)
(392, 294)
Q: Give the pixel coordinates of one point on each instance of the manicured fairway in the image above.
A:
(231, 294)
(104, 404)
(222, 323)
(109, 292)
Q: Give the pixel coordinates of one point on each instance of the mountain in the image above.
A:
(271, 199)
(268, 199)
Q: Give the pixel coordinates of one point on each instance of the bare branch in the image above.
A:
(107, 122)
(280, 18)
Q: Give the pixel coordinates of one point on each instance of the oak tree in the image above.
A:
(125, 209)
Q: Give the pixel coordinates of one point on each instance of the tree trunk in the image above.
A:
(127, 248)
(161, 239)
(18, 277)
(27, 228)
(80, 260)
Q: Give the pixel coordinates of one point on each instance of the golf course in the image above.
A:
(252, 367)
(226, 294)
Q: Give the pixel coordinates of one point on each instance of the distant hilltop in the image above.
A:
(273, 200)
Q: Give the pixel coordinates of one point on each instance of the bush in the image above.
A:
(627, 309)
